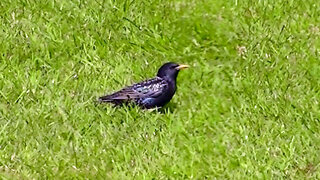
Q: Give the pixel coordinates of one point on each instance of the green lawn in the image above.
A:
(248, 108)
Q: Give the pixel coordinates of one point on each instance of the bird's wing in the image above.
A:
(149, 88)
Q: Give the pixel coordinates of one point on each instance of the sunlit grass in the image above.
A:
(247, 108)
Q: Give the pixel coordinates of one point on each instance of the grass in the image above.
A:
(247, 109)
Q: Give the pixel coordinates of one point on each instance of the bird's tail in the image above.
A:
(107, 98)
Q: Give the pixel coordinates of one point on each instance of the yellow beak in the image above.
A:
(182, 66)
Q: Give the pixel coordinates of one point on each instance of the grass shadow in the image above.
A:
(170, 107)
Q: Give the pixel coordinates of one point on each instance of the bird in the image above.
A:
(152, 93)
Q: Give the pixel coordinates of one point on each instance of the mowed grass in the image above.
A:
(248, 108)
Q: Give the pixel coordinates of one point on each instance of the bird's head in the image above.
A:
(170, 70)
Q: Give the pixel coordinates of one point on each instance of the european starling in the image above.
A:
(152, 93)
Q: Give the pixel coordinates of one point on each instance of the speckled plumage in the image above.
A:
(155, 92)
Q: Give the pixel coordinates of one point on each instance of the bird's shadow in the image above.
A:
(170, 107)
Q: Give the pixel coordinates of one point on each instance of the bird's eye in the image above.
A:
(173, 67)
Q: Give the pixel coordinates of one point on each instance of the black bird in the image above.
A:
(152, 93)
